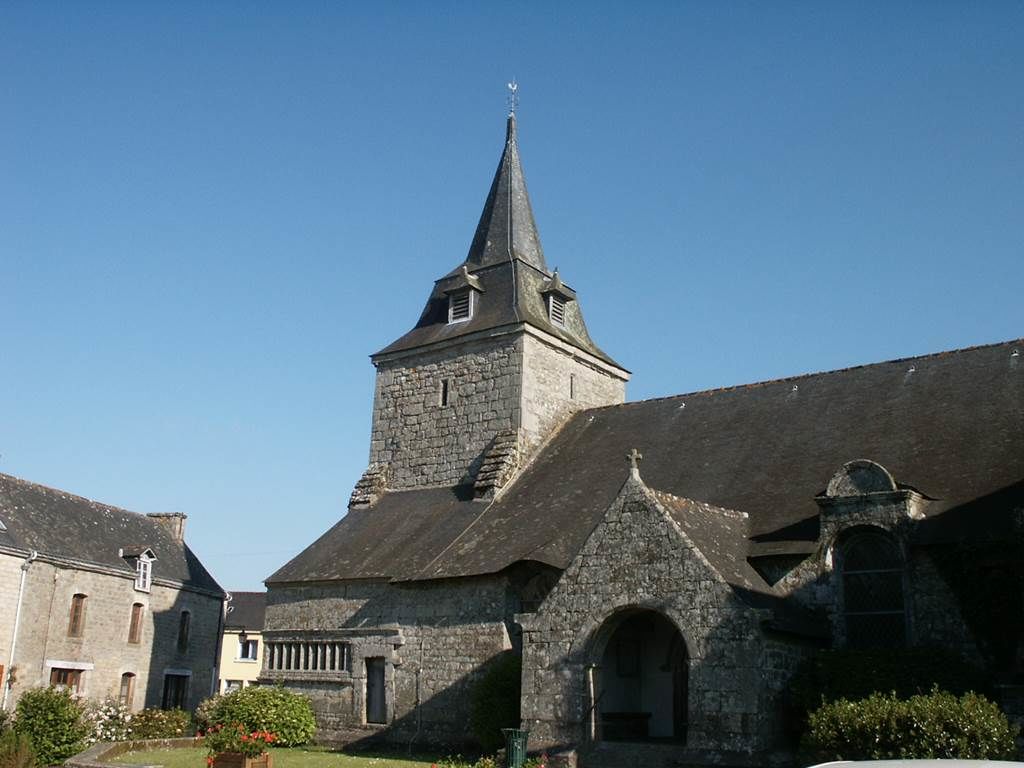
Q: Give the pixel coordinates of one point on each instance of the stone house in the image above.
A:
(110, 603)
(662, 566)
(242, 642)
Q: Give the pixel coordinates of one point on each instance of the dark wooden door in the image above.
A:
(376, 706)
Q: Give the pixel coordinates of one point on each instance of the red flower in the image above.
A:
(209, 760)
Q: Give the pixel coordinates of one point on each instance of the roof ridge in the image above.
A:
(729, 511)
(810, 374)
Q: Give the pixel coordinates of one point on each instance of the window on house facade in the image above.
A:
(232, 685)
(184, 629)
(872, 582)
(248, 649)
(66, 678)
(309, 656)
(175, 692)
(460, 306)
(127, 694)
(135, 624)
(144, 573)
(556, 309)
(76, 620)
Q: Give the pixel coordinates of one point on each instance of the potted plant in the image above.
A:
(234, 746)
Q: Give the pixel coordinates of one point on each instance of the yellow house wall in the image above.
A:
(233, 668)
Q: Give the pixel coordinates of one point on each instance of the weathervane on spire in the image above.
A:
(513, 96)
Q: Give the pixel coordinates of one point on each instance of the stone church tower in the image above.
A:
(498, 360)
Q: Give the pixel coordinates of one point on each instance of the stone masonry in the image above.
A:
(517, 382)
(103, 651)
(638, 558)
(435, 636)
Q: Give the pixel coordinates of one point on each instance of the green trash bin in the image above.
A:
(515, 746)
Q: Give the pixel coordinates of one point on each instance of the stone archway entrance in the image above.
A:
(640, 680)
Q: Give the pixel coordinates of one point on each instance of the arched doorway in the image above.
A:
(641, 679)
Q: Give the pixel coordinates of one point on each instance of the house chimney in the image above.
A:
(174, 522)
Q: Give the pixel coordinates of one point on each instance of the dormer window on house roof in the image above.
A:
(144, 574)
(142, 558)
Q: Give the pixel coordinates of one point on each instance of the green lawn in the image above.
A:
(283, 758)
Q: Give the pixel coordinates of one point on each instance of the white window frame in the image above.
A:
(471, 305)
(254, 643)
(144, 573)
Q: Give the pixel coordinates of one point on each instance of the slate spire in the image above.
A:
(506, 229)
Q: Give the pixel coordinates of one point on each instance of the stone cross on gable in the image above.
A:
(633, 457)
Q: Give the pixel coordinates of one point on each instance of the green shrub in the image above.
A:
(287, 715)
(494, 702)
(839, 674)
(51, 719)
(16, 751)
(4, 719)
(883, 727)
(160, 724)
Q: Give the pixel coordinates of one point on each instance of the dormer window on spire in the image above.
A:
(557, 296)
(462, 296)
(556, 309)
(460, 305)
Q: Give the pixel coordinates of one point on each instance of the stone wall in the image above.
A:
(10, 575)
(425, 443)
(557, 382)
(102, 651)
(639, 559)
(494, 386)
(434, 636)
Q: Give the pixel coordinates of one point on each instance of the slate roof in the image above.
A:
(246, 610)
(62, 525)
(949, 425)
(506, 224)
(507, 260)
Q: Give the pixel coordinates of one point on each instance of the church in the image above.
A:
(661, 567)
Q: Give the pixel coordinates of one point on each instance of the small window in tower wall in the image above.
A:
(460, 306)
(442, 395)
(556, 309)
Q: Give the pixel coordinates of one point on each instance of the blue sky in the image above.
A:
(212, 213)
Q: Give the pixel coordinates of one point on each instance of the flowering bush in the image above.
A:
(289, 716)
(108, 720)
(236, 738)
(160, 724)
(206, 713)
